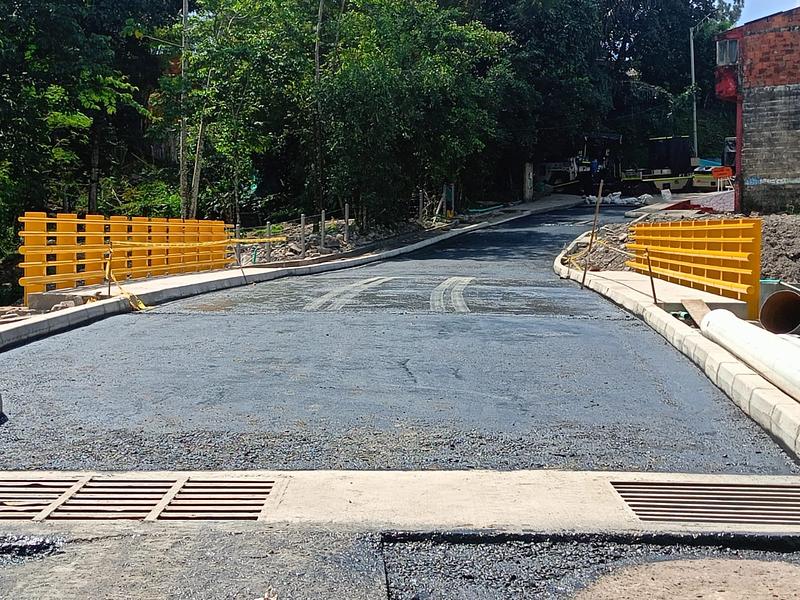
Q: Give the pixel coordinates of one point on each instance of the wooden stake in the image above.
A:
(652, 279)
(594, 232)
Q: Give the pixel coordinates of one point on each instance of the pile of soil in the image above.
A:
(780, 254)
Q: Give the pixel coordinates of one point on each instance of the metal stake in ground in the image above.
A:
(302, 236)
(652, 278)
(594, 231)
(238, 252)
(347, 223)
(108, 268)
(322, 231)
(269, 243)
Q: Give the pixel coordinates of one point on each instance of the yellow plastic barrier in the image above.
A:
(68, 251)
(721, 257)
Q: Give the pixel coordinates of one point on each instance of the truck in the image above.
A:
(703, 179)
(670, 167)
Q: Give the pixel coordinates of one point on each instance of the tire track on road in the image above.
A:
(455, 286)
(339, 298)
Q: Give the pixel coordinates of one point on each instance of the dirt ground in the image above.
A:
(692, 579)
(780, 255)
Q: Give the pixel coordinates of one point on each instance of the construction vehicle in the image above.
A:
(704, 179)
(670, 167)
(598, 155)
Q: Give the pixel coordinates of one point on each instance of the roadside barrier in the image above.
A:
(721, 257)
(66, 251)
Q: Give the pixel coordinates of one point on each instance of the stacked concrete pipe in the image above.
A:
(772, 356)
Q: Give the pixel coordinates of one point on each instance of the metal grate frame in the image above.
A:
(746, 504)
(95, 497)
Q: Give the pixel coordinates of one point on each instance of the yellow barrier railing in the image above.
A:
(720, 257)
(67, 251)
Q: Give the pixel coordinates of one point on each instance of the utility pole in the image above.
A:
(694, 94)
(692, 31)
(184, 141)
(318, 115)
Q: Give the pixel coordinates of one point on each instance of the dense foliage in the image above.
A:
(299, 105)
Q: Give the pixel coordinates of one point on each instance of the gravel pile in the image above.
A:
(781, 248)
(780, 256)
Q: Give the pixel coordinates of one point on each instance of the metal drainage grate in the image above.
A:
(28, 498)
(218, 500)
(107, 498)
(113, 498)
(712, 502)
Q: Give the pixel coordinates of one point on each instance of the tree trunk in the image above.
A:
(198, 155)
(236, 213)
(94, 173)
(318, 115)
(184, 137)
(198, 166)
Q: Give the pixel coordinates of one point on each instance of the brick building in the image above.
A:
(759, 69)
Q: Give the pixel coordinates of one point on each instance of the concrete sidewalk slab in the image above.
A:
(165, 289)
(670, 295)
(470, 501)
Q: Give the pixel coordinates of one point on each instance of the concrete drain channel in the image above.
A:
(745, 504)
(95, 497)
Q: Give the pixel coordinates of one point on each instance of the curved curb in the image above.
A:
(775, 411)
(45, 325)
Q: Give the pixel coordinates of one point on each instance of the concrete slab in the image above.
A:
(473, 501)
(650, 209)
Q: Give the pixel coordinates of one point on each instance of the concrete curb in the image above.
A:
(49, 324)
(764, 403)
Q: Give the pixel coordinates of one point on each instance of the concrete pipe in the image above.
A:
(781, 312)
(773, 357)
(792, 339)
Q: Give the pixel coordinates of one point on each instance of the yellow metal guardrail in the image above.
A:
(67, 251)
(721, 257)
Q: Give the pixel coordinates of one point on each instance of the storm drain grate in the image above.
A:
(106, 498)
(712, 502)
(28, 498)
(218, 500)
(140, 499)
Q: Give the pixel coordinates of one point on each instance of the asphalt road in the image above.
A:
(244, 563)
(471, 354)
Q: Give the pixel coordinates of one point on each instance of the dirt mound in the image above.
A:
(780, 255)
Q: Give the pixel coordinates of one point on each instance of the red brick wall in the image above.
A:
(771, 51)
